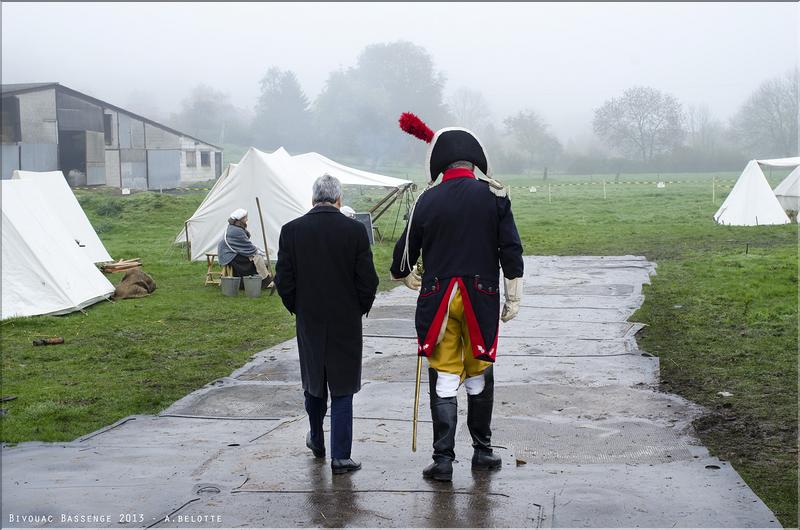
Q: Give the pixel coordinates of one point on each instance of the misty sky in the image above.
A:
(562, 60)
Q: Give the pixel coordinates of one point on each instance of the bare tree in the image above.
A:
(643, 122)
(705, 133)
(532, 141)
(470, 109)
(767, 122)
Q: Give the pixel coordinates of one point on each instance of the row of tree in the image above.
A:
(355, 116)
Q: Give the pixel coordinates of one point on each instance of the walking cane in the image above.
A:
(416, 406)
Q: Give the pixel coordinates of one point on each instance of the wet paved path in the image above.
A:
(586, 441)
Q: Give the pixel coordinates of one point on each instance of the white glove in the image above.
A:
(412, 281)
(513, 298)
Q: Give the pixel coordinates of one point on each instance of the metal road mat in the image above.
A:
(383, 367)
(613, 289)
(272, 368)
(390, 327)
(338, 506)
(393, 311)
(243, 400)
(613, 442)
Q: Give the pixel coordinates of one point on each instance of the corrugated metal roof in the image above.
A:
(15, 88)
(19, 88)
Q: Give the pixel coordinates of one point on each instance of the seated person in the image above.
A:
(236, 249)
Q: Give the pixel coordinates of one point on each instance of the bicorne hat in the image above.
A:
(447, 145)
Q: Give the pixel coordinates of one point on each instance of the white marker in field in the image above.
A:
(661, 184)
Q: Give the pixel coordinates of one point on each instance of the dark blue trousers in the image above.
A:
(341, 422)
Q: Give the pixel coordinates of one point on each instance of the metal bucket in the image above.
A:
(230, 285)
(252, 286)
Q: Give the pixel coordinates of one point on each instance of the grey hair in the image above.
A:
(326, 189)
(461, 163)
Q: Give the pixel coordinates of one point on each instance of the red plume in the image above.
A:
(411, 124)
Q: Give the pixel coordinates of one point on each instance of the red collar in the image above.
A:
(457, 173)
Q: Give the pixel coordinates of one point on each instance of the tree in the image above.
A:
(704, 132)
(643, 122)
(469, 109)
(766, 124)
(531, 140)
(357, 111)
(208, 114)
(283, 117)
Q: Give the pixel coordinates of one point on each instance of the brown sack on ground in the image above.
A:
(135, 284)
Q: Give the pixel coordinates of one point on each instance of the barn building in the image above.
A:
(47, 126)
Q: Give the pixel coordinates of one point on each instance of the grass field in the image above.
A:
(721, 314)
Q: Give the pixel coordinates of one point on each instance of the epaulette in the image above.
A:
(495, 186)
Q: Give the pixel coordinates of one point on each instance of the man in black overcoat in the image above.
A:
(326, 278)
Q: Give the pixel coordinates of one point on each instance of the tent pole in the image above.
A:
(264, 233)
(386, 206)
(383, 200)
(188, 243)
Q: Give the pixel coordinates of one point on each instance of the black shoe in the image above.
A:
(486, 460)
(441, 471)
(266, 282)
(319, 452)
(344, 465)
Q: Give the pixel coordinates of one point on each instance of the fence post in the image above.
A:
(549, 199)
(714, 190)
(604, 188)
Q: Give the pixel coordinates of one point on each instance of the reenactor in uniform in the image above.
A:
(464, 229)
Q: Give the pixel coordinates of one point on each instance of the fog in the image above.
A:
(563, 60)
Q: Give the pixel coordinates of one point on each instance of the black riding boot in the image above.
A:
(444, 412)
(479, 420)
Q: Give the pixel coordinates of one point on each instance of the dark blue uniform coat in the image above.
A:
(465, 233)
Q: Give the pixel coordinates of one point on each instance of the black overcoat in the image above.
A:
(326, 277)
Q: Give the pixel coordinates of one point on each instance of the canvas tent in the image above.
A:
(317, 164)
(752, 202)
(788, 191)
(283, 185)
(44, 271)
(57, 195)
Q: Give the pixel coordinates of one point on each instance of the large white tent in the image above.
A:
(44, 271)
(281, 182)
(56, 194)
(752, 202)
(315, 165)
(788, 191)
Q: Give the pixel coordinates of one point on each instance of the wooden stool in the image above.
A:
(212, 276)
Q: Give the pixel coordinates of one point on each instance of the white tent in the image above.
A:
(751, 202)
(231, 167)
(44, 271)
(316, 165)
(788, 191)
(55, 193)
(283, 185)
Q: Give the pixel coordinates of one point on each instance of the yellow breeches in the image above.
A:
(453, 355)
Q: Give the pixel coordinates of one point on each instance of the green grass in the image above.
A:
(721, 314)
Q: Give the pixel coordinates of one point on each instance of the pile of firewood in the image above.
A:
(121, 265)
